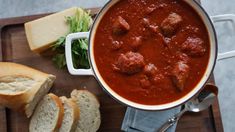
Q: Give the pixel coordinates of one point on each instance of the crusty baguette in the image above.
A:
(48, 115)
(71, 115)
(22, 87)
(89, 111)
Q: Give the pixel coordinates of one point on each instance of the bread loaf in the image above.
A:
(22, 87)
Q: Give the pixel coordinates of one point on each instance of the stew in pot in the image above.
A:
(151, 51)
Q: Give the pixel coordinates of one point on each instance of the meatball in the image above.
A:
(180, 74)
(150, 70)
(120, 26)
(194, 47)
(129, 63)
(171, 24)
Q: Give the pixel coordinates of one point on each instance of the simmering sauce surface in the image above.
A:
(151, 51)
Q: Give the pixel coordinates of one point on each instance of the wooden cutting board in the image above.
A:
(14, 48)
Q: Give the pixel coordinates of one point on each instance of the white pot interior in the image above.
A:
(198, 87)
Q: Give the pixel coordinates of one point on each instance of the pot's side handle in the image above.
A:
(68, 54)
(223, 18)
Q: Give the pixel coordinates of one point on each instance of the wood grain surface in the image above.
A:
(14, 48)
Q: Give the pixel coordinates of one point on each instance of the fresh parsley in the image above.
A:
(81, 22)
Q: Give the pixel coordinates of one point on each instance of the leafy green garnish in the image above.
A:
(79, 50)
(81, 22)
(59, 60)
(59, 45)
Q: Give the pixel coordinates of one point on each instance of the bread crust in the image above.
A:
(19, 100)
(75, 109)
(61, 110)
(76, 113)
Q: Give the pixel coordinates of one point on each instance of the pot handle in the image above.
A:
(223, 18)
(68, 54)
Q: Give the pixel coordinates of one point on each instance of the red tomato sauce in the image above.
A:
(151, 51)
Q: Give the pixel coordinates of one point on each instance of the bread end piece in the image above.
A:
(48, 114)
(88, 104)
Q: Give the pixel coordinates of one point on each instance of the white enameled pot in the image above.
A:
(214, 56)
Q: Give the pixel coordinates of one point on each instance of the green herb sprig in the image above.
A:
(80, 22)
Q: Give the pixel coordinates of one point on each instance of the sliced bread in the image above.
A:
(48, 115)
(71, 115)
(22, 87)
(89, 111)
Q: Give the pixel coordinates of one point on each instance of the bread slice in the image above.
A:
(89, 111)
(48, 115)
(71, 115)
(22, 87)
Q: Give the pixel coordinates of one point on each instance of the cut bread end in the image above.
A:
(38, 95)
(71, 115)
(88, 104)
(48, 115)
